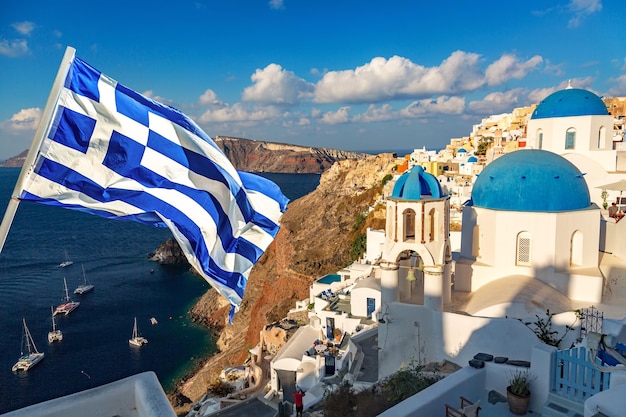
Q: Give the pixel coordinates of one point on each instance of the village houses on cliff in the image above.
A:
(536, 240)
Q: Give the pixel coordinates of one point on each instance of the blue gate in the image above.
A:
(576, 378)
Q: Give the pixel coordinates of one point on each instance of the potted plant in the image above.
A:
(518, 391)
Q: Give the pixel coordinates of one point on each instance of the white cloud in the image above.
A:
(340, 116)
(209, 99)
(24, 120)
(535, 96)
(582, 9)
(398, 78)
(509, 66)
(377, 114)
(276, 4)
(275, 85)
(239, 113)
(619, 90)
(497, 102)
(14, 48)
(440, 105)
(23, 28)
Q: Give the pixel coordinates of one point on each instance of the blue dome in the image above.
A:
(472, 159)
(461, 150)
(414, 184)
(531, 180)
(570, 102)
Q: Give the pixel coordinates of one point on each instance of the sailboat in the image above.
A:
(137, 340)
(55, 334)
(66, 262)
(68, 306)
(86, 286)
(30, 359)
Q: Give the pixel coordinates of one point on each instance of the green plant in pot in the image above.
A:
(518, 391)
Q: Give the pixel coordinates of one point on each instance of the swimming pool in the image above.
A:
(329, 279)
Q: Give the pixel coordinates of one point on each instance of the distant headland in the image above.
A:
(263, 156)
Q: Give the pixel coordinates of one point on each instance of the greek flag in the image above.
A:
(112, 152)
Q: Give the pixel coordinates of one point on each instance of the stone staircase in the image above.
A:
(557, 406)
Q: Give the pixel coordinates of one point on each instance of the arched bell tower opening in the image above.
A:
(416, 253)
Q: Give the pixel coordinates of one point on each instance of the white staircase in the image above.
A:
(557, 406)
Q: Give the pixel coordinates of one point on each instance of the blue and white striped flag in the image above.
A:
(112, 152)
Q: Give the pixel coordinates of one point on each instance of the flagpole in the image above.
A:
(44, 124)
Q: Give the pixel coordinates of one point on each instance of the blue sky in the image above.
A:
(353, 75)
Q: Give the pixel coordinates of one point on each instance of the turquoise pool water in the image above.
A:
(329, 279)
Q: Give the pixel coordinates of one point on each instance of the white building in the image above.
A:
(576, 124)
(530, 216)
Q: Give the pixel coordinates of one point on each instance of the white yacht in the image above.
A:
(32, 356)
(136, 339)
(55, 334)
(86, 286)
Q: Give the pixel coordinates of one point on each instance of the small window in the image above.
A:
(540, 138)
(524, 241)
(476, 242)
(570, 138)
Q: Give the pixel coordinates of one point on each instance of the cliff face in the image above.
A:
(314, 239)
(15, 162)
(262, 156)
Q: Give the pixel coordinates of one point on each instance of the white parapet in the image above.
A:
(139, 395)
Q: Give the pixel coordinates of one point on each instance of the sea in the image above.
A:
(114, 254)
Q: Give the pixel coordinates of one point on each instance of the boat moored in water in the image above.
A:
(32, 357)
(69, 305)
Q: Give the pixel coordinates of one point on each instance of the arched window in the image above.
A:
(576, 249)
(409, 224)
(523, 256)
(476, 242)
(432, 216)
(570, 138)
(601, 135)
(540, 139)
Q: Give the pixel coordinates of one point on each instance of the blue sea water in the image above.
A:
(95, 348)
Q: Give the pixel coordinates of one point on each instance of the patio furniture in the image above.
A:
(468, 409)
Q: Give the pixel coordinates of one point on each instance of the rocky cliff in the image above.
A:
(261, 156)
(16, 161)
(315, 239)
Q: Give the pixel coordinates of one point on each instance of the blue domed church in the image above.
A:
(531, 217)
(576, 124)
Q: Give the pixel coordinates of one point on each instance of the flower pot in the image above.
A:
(518, 405)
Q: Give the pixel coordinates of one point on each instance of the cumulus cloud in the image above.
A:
(582, 9)
(14, 48)
(535, 96)
(238, 113)
(24, 120)
(440, 105)
(23, 28)
(275, 85)
(619, 89)
(398, 78)
(340, 116)
(497, 102)
(209, 98)
(508, 67)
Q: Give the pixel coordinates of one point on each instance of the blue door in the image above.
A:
(330, 328)
(371, 306)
